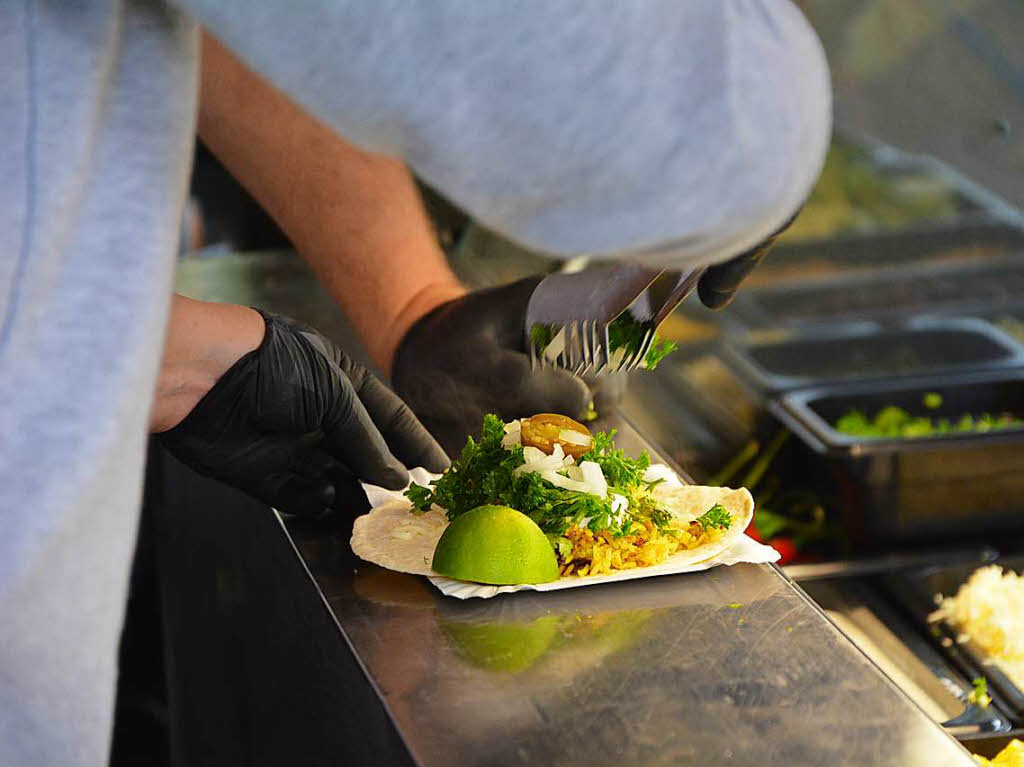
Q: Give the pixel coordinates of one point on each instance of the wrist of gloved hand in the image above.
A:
(467, 358)
(718, 285)
(297, 424)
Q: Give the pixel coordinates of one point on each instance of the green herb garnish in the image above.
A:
(483, 474)
(716, 516)
(895, 422)
(979, 695)
(541, 336)
(626, 332)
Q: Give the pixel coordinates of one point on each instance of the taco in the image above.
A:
(601, 511)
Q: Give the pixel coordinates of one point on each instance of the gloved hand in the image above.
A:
(467, 358)
(297, 423)
(718, 285)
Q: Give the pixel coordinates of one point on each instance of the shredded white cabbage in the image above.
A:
(989, 609)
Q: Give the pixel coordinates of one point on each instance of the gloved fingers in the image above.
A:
(302, 496)
(545, 390)
(718, 285)
(351, 437)
(408, 438)
(313, 464)
(508, 304)
(349, 496)
(452, 433)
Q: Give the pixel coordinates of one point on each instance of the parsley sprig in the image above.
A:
(626, 332)
(716, 516)
(483, 474)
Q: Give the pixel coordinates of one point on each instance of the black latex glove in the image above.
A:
(296, 423)
(718, 285)
(466, 358)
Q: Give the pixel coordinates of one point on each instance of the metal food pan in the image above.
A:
(916, 590)
(918, 347)
(892, 491)
(905, 655)
(887, 295)
(969, 233)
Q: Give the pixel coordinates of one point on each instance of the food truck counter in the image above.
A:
(296, 649)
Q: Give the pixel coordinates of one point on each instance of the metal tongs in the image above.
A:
(568, 315)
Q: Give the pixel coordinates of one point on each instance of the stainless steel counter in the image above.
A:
(732, 666)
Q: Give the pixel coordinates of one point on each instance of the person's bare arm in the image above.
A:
(356, 217)
(203, 341)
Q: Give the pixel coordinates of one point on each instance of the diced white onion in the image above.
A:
(594, 477)
(513, 435)
(533, 454)
(576, 473)
(619, 503)
(558, 480)
(560, 470)
(539, 461)
(574, 437)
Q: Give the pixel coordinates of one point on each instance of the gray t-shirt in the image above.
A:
(569, 126)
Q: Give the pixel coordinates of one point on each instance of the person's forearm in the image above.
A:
(356, 217)
(203, 341)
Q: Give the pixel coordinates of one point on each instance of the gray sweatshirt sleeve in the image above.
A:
(572, 127)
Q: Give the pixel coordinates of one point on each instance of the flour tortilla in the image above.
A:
(392, 537)
(687, 502)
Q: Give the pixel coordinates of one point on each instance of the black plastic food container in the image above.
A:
(923, 346)
(896, 491)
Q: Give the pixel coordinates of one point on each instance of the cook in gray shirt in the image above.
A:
(570, 127)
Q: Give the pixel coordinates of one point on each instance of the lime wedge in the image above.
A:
(495, 545)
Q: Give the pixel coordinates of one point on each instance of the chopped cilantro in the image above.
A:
(562, 547)
(895, 422)
(541, 336)
(483, 474)
(660, 348)
(627, 332)
(716, 516)
(979, 695)
(624, 332)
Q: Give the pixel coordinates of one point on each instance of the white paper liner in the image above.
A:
(745, 549)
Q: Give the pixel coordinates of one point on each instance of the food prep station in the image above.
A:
(926, 318)
(291, 650)
(292, 644)
(901, 280)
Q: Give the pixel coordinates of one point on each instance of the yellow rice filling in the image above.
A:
(601, 553)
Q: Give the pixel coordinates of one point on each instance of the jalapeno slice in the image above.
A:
(545, 430)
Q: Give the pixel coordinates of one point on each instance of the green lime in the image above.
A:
(496, 545)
